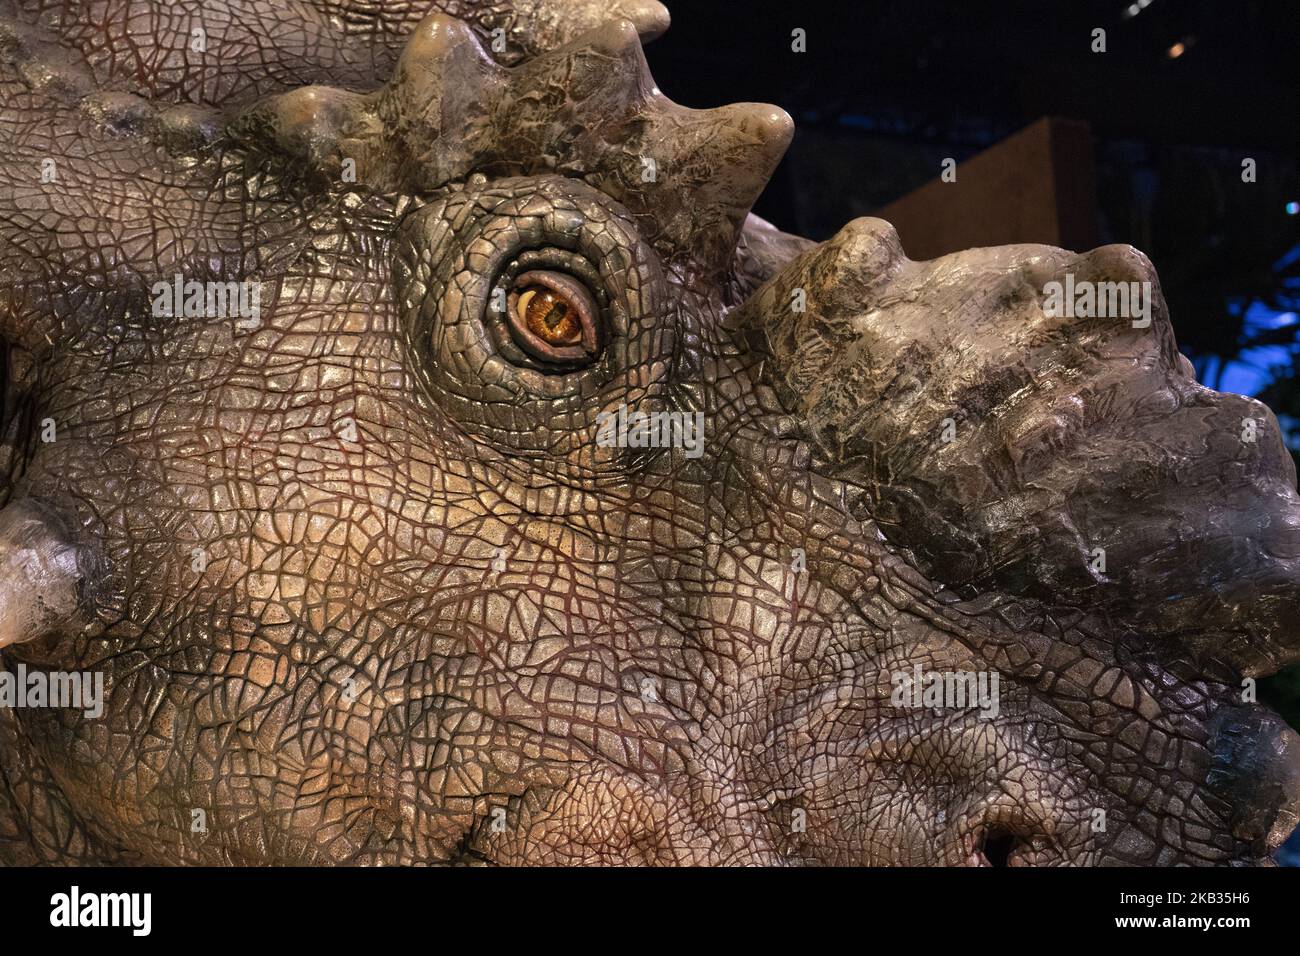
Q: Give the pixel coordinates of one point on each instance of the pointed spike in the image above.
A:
(310, 124)
(650, 17)
(589, 110)
(438, 100)
(438, 49)
(749, 141)
(43, 575)
(694, 173)
(708, 168)
(602, 70)
(691, 176)
(615, 37)
(573, 18)
(833, 276)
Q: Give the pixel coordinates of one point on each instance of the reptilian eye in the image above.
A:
(549, 316)
(553, 317)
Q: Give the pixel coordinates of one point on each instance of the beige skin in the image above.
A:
(366, 588)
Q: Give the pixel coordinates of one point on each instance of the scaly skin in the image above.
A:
(436, 620)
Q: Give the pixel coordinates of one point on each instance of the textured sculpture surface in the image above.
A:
(378, 567)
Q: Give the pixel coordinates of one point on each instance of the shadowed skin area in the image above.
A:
(366, 587)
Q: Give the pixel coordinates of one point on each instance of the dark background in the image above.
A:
(887, 89)
(1184, 92)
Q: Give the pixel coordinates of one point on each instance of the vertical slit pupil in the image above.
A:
(555, 315)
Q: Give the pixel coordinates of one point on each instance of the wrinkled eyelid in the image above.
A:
(576, 296)
(584, 311)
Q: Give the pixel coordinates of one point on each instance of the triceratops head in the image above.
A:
(452, 469)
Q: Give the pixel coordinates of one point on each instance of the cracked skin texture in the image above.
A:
(365, 588)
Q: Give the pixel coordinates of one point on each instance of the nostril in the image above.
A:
(1006, 832)
(998, 844)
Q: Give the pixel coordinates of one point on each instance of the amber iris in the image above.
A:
(550, 316)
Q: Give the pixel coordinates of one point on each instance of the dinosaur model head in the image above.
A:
(406, 418)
